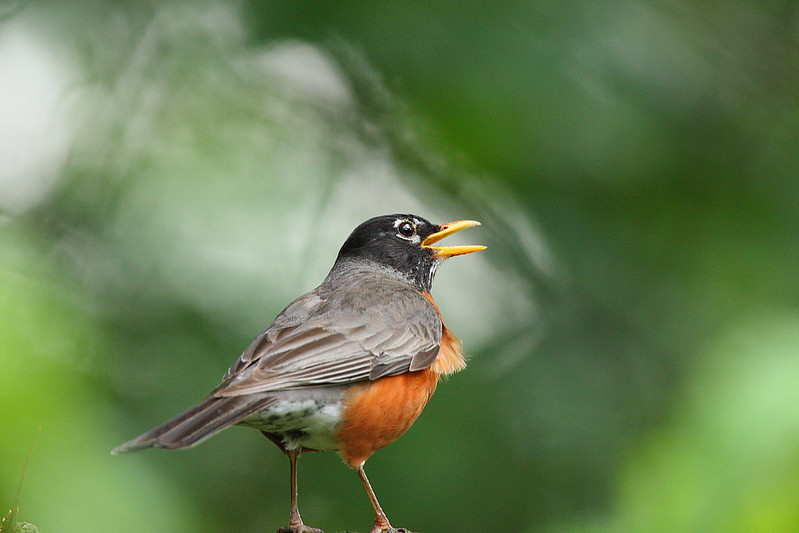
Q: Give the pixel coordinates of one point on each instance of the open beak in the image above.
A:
(449, 228)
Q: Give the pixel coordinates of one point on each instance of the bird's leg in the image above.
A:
(381, 522)
(295, 521)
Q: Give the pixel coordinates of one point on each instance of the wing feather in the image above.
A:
(319, 340)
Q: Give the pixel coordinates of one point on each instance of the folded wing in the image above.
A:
(343, 344)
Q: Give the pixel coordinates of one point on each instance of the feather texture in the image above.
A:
(362, 323)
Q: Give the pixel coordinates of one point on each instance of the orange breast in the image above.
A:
(377, 413)
(450, 356)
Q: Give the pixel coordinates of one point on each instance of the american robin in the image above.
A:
(347, 367)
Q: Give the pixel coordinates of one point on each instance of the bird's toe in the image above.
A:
(299, 529)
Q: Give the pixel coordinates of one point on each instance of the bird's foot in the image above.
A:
(305, 529)
(375, 529)
(302, 528)
(382, 526)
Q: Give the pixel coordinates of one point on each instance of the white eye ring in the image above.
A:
(406, 228)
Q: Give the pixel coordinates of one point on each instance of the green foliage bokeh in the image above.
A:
(174, 174)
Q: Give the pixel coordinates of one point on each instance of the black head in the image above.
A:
(404, 243)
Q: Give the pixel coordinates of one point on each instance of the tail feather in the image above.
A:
(197, 424)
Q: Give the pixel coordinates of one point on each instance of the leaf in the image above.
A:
(10, 523)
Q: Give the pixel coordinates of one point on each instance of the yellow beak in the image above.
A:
(448, 229)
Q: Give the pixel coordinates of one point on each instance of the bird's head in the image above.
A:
(405, 243)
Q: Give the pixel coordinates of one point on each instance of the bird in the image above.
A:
(346, 367)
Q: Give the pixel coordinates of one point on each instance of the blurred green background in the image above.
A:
(172, 174)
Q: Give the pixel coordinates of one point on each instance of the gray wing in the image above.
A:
(331, 337)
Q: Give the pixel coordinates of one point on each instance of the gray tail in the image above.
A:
(196, 424)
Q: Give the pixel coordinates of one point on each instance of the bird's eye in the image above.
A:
(406, 228)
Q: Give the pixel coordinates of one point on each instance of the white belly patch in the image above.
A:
(307, 423)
